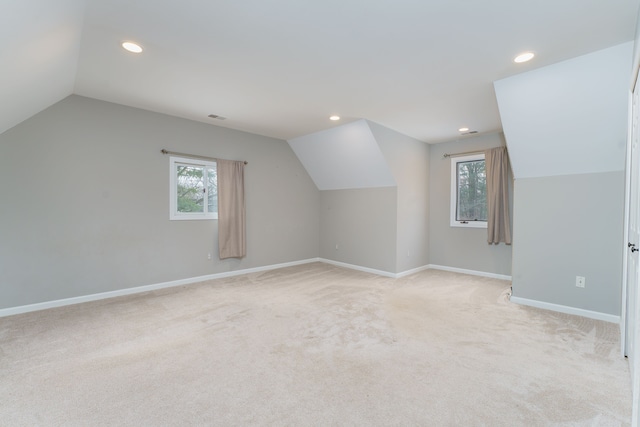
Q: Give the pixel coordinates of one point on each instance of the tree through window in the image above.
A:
(194, 189)
(468, 191)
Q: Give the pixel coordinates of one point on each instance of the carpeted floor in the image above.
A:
(313, 345)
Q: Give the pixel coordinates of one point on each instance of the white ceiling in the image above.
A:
(281, 67)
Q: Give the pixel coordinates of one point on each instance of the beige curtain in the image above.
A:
(497, 168)
(231, 213)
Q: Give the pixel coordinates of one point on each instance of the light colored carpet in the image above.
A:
(313, 345)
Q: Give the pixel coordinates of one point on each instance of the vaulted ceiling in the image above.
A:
(280, 67)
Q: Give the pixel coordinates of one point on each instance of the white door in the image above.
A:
(633, 241)
(631, 329)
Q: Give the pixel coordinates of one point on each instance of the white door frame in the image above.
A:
(627, 196)
(630, 321)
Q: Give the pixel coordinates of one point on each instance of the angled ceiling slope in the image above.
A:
(345, 157)
(280, 67)
(570, 117)
(39, 48)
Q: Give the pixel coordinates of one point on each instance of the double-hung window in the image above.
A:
(468, 191)
(194, 189)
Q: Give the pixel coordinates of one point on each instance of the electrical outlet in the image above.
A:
(208, 256)
(337, 247)
(580, 281)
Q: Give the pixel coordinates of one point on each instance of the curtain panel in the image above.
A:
(498, 222)
(231, 210)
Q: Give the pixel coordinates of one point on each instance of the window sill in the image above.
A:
(470, 224)
(192, 218)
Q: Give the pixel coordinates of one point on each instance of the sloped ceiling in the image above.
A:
(570, 117)
(344, 157)
(39, 48)
(281, 67)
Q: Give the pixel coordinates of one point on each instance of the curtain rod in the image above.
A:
(462, 154)
(175, 153)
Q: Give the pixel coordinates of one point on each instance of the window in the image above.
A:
(468, 191)
(194, 189)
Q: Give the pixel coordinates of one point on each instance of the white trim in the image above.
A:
(469, 224)
(358, 268)
(566, 309)
(416, 270)
(374, 271)
(625, 239)
(413, 271)
(139, 289)
(128, 291)
(471, 272)
(173, 202)
(453, 199)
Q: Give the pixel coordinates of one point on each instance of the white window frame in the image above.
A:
(174, 162)
(454, 192)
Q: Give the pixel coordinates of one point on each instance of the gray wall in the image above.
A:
(362, 222)
(566, 129)
(85, 202)
(568, 226)
(382, 228)
(408, 160)
(465, 248)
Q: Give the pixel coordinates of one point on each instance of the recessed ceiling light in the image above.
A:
(132, 47)
(463, 129)
(524, 57)
(334, 118)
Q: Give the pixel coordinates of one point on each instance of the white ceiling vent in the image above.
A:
(215, 116)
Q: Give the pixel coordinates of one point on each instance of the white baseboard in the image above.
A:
(374, 271)
(139, 289)
(358, 268)
(567, 310)
(415, 270)
(412, 271)
(471, 272)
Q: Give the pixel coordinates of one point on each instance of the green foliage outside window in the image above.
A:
(191, 188)
(472, 191)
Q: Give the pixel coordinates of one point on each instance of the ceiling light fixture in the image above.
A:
(463, 129)
(334, 118)
(132, 47)
(524, 57)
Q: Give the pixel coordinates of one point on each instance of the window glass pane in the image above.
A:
(472, 191)
(212, 189)
(190, 191)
